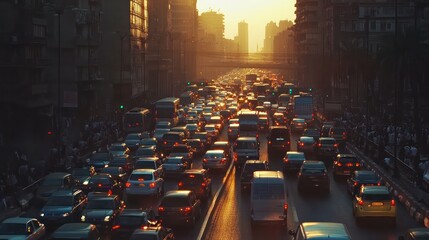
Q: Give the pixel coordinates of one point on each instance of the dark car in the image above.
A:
(81, 231)
(292, 161)
(205, 138)
(63, 206)
(125, 162)
(130, 219)
(103, 182)
(196, 146)
(345, 165)
(339, 134)
(263, 123)
(99, 160)
(312, 132)
(53, 182)
(150, 163)
(278, 140)
(179, 207)
(146, 152)
(170, 139)
(82, 176)
(226, 115)
(102, 211)
(313, 174)
(245, 148)
(117, 173)
(279, 119)
(326, 148)
(324, 131)
(182, 150)
(249, 167)
(153, 233)
(174, 166)
(416, 234)
(196, 180)
(305, 144)
(148, 142)
(222, 145)
(359, 178)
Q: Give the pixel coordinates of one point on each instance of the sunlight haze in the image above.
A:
(257, 13)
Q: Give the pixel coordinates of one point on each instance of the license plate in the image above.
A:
(142, 185)
(377, 204)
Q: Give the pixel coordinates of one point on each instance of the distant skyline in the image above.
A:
(257, 13)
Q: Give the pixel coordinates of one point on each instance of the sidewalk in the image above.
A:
(415, 200)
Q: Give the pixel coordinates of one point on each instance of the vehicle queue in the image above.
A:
(92, 201)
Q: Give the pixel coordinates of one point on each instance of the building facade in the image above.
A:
(243, 38)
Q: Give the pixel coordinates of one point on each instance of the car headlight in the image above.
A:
(83, 218)
(137, 144)
(65, 214)
(107, 218)
(86, 182)
(42, 214)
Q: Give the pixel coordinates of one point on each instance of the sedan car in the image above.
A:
(374, 202)
(182, 150)
(22, 228)
(150, 163)
(196, 180)
(233, 131)
(99, 160)
(131, 219)
(293, 161)
(326, 148)
(103, 182)
(102, 211)
(153, 233)
(345, 164)
(359, 178)
(82, 176)
(146, 152)
(158, 133)
(312, 132)
(215, 159)
(196, 146)
(125, 162)
(132, 140)
(53, 182)
(148, 142)
(249, 167)
(119, 149)
(174, 166)
(179, 207)
(82, 231)
(313, 174)
(118, 173)
(193, 128)
(297, 125)
(212, 131)
(305, 144)
(144, 182)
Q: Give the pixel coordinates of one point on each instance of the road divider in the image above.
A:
(214, 202)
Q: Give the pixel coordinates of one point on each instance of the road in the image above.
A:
(231, 219)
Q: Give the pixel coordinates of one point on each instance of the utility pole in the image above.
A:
(396, 122)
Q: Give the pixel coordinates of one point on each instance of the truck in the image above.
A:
(248, 124)
(303, 107)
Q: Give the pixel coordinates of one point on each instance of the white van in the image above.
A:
(268, 198)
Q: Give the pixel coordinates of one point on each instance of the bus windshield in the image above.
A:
(165, 113)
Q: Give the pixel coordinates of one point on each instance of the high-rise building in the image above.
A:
(211, 25)
(243, 38)
(271, 30)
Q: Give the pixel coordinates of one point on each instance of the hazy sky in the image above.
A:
(257, 13)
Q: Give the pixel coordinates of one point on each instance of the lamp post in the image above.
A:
(395, 164)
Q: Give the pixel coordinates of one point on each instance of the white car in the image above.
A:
(144, 182)
(22, 228)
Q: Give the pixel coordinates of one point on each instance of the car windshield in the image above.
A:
(97, 180)
(51, 182)
(296, 156)
(141, 177)
(131, 220)
(144, 165)
(60, 201)
(144, 152)
(213, 155)
(246, 145)
(12, 229)
(348, 160)
(133, 137)
(326, 141)
(174, 202)
(101, 204)
(367, 177)
(147, 142)
(117, 148)
(173, 160)
(376, 197)
(263, 191)
(78, 172)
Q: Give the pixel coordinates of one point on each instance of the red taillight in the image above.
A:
(269, 142)
(335, 145)
(286, 160)
(109, 192)
(100, 185)
(320, 145)
(205, 160)
(127, 184)
(360, 202)
(165, 142)
(392, 202)
(357, 164)
(187, 209)
(203, 184)
(301, 144)
(161, 209)
(116, 227)
(355, 184)
(152, 185)
(285, 207)
(180, 184)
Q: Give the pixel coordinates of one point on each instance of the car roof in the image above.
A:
(138, 171)
(323, 230)
(66, 192)
(345, 155)
(18, 220)
(221, 143)
(117, 145)
(195, 171)
(326, 138)
(375, 190)
(74, 229)
(294, 153)
(177, 193)
(147, 159)
(311, 163)
(133, 212)
(246, 139)
(254, 162)
(278, 127)
(214, 151)
(364, 172)
(267, 174)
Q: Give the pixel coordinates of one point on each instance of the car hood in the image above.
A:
(100, 213)
(13, 237)
(56, 210)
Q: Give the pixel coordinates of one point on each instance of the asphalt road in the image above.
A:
(231, 218)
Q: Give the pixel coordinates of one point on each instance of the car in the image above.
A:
(53, 182)
(130, 219)
(217, 122)
(326, 147)
(233, 121)
(312, 132)
(204, 137)
(263, 123)
(193, 128)
(118, 173)
(279, 119)
(102, 211)
(196, 180)
(144, 182)
(297, 125)
(212, 131)
(223, 145)
(99, 160)
(125, 162)
(22, 228)
(179, 207)
(150, 163)
(148, 142)
(345, 165)
(305, 144)
(118, 149)
(103, 182)
(153, 233)
(374, 202)
(233, 131)
(196, 146)
(82, 176)
(313, 174)
(320, 230)
(245, 148)
(11, 207)
(420, 233)
(324, 130)
(142, 152)
(339, 134)
(181, 129)
(226, 115)
(249, 167)
(163, 125)
(82, 231)
(169, 140)
(174, 166)
(182, 150)
(159, 133)
(359, 178)
(63, 206)
(132, 140)
(215, 159)
(278, 140)
(293, 160)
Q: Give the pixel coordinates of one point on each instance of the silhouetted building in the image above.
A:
(211, 25)
(243, 38)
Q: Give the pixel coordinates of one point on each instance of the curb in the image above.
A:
(416, 210)
(214, 203)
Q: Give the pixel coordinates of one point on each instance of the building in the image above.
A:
(271, 30)
(243, 38)
(122, 52)
(212, 28)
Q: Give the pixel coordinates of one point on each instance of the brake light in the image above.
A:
(100, 185)
(288, 143)
(223, 160)
(128, 184)
(335, 145)
(161, 209)
(355, 184)
(286, 160)
(187, 209)
(285, 207)
(165, 142)
(320, 145)
(109, 192)
(180, 184)
(269, 142)
(357, 164)
(360, 202)
(203, 184)
(392, 202)
(301, 144)
(205, 160)
(116, 227)
(379, 184)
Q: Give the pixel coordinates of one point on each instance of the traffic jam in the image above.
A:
(159, 180)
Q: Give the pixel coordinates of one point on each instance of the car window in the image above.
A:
(141, 177)
(376, 197)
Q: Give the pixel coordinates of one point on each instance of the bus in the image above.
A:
(303, 107)
(167, 109)
(248, 123)
(137, 120)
